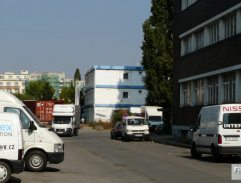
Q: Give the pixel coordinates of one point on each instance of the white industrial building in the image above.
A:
(112, 88)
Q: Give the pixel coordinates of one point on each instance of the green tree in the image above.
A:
(40, 90)
(157, 53)
(68, 94)
(23, 96)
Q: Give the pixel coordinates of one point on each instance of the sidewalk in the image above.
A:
(168, 140)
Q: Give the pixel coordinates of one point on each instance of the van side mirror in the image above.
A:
(32, 127)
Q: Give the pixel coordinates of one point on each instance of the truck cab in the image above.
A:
(41, 145)
(11, 148)
(154, 116)
(66, 119)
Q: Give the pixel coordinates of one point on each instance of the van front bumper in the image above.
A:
(55, 158)
(17, 166)
(229, 150)
(137, 136)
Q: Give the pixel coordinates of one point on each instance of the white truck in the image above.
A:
(66, 119)
(217, 131)
(11, 148)
(41, 145)
(153, 115)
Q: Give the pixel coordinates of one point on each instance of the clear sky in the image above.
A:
(62, 35)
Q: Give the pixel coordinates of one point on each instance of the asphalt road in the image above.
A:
(92, 157)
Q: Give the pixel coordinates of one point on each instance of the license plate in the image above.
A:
(138, 135)
(231, 138)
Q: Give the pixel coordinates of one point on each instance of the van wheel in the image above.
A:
(194, 153)
(35, 161)
(215, 154)
(5, 172)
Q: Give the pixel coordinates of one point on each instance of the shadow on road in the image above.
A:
(14, 180)
(224, 159)
(48, 169)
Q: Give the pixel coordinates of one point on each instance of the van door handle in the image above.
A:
(199, 134)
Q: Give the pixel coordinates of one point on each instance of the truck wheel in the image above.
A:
(35, 161)
(194, 153)
(5, 172)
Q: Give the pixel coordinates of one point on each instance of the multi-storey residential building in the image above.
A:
(14, 83)
(111, 88)
(207, 58)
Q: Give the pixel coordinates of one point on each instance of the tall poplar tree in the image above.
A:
(77, 76)
(157, 53)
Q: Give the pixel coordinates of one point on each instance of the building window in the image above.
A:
(213, 90)
(15, 83)
(10, 77)
(126, 76)
(125, 95)
(187, 3)
(230, 25)
(214, 33)
(198, 92)
(187, 44)
(1, 83)
(8, 84)
(229, 82)
(187, 93)
(1, 77)
(199, 36)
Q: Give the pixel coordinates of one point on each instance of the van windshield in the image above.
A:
(155, 118)
(62, 120)
(232, 120)
(33, 116)
(136, 122)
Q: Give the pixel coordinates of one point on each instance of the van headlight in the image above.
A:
(58, 148)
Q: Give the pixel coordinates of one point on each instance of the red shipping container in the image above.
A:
(44, 110)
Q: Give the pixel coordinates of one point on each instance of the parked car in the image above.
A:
(116, 131)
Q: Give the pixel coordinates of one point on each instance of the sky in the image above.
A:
(62, 35)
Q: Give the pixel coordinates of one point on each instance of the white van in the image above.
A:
(217, 131)
(40, 144)
(11, 148)
(134, 127)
